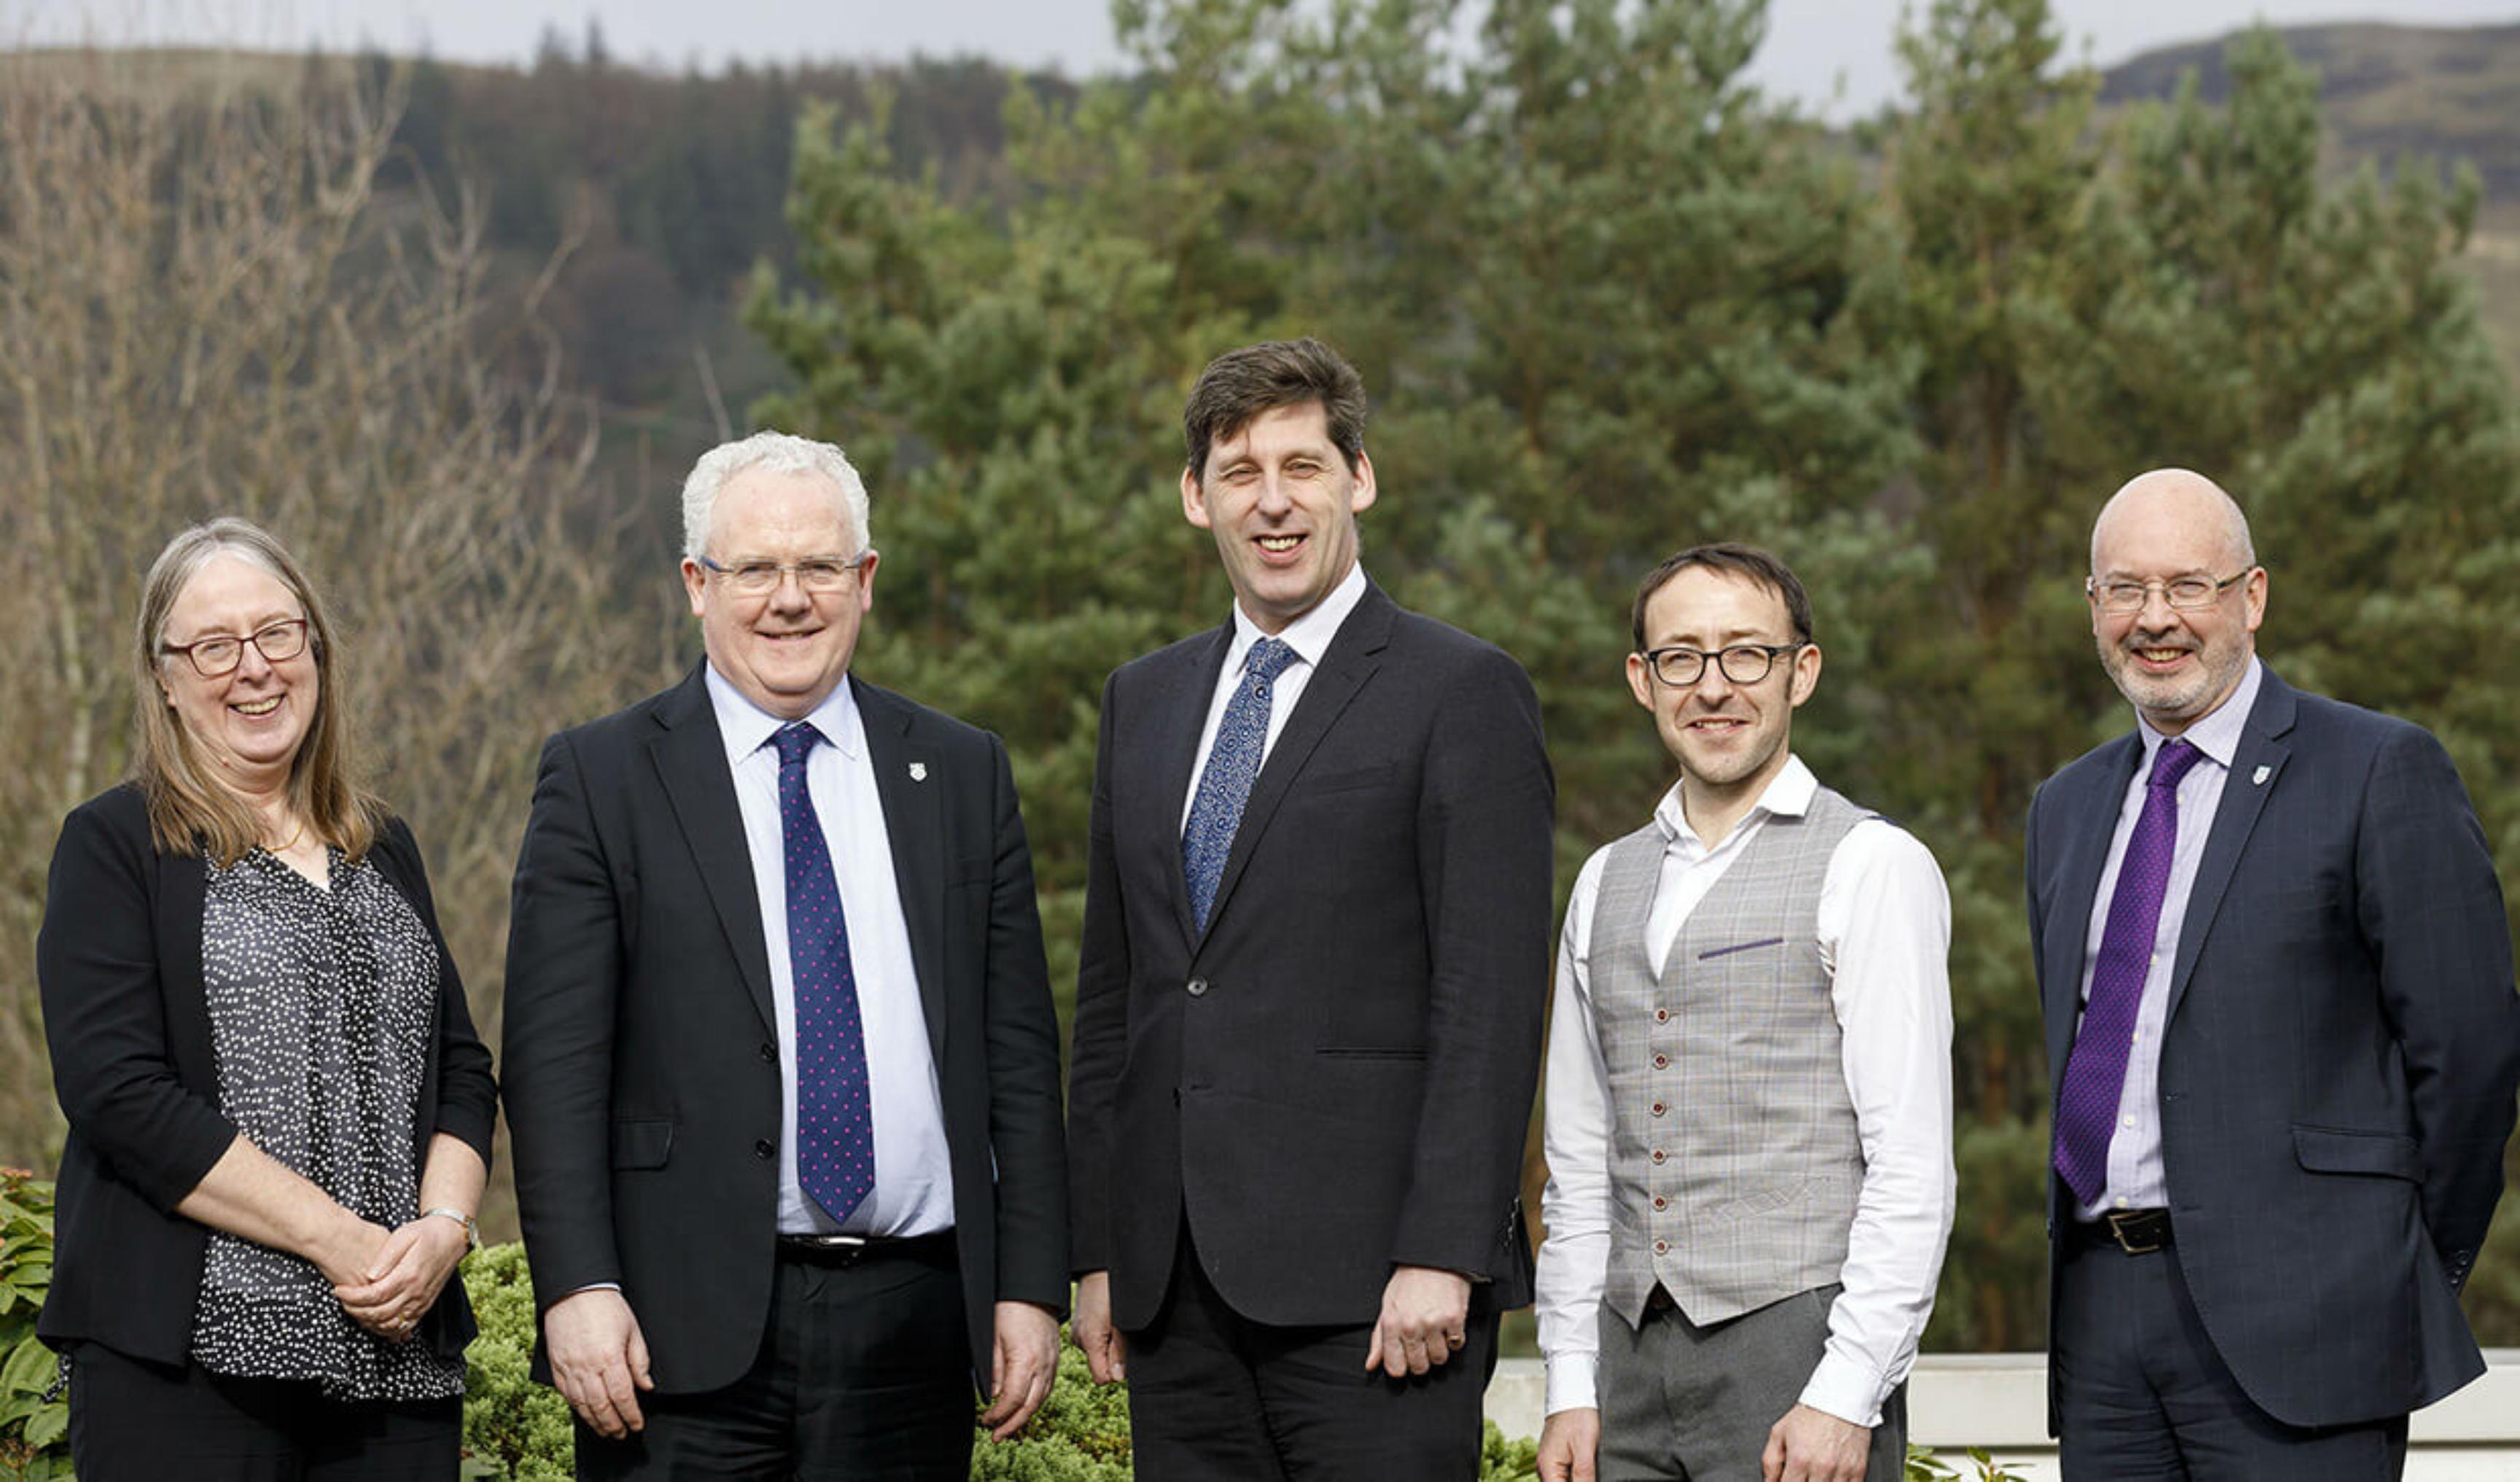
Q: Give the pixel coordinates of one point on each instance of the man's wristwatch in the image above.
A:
(471, 1229)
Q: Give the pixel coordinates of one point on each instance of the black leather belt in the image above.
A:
(2136, 1232)
(846, 1251)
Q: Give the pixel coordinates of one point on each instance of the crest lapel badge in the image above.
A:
(919, 772)
(2259, 778)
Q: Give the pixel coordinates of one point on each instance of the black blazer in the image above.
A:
(641, 1051)
(1336, 1078)
(120, 959)
(2341, 1055)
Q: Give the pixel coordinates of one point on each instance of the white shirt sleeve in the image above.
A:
(1885, 928)
(1575, 1259)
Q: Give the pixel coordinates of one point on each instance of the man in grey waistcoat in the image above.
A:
(1749, 1103)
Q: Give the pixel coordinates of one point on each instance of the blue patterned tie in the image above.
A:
(2086, 1104)
(1232, 763)
(835, 1127)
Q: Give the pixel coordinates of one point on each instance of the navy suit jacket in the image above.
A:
(2341, 1055)
(1337, 1077)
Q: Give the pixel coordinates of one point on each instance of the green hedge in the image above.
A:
(33, 1441)
(516, 1430)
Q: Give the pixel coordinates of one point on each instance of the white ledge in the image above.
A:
(1999, 1401)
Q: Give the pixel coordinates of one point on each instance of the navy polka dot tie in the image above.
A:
(1232, 764)
(835, 1126)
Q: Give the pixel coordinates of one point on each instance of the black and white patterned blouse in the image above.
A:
(324, 1011)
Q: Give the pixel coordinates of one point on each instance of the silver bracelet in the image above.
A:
(472, 1231)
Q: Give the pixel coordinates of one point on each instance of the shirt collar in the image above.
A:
(1309, 635)
(1788, 794)
(747, 727)
(2218, 735)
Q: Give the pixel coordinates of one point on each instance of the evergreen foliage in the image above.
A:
(1612, 302)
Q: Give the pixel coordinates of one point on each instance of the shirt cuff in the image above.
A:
(1571, 1382)
(1847, 1390)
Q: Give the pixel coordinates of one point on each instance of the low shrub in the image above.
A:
(516, 1430)
(34, 1431)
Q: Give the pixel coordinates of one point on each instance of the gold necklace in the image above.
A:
(289, 843)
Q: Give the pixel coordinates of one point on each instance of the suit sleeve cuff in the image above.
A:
(1849, 1391)
(1572, 1382)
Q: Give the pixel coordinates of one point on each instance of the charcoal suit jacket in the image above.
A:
(2340, 1058)
(1336, 1077)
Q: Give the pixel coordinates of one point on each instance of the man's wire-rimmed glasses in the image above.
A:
(2187, 593)
(1740, 664)
(818, 574)
(211, 657)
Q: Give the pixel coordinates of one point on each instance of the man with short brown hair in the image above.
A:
(1309, 998)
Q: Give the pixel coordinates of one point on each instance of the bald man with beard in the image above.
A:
(2275, 973)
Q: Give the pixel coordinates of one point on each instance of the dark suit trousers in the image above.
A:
(2141, 1394)
(132, 1420)
(1214, 1397)
(864, 1375)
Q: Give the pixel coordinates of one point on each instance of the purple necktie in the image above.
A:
(2086, 1104)
(835, 1127)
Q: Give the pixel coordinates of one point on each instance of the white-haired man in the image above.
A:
(781, 1062)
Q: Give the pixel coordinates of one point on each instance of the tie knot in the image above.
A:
(1269, 658)
(795, 741)
(2172, 761)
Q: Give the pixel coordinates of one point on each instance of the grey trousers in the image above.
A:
(1695, 1404)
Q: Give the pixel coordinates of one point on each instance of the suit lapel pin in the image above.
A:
(2259, 780)
(919, 772)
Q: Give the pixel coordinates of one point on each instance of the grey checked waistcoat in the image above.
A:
(1734, 1161)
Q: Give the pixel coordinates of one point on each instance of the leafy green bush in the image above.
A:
(515, 1430)
(32, 1441)
(1080, 1434)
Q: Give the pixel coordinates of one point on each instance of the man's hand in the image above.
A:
(1024, 1363)
(1106, 1356)
(401, 1281)
(1425, 1314)
(1814, 1446)
(599, 1361)
(1570, 1442)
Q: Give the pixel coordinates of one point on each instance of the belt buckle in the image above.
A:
(2120, 1222)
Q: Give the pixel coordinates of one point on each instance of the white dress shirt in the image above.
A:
(2136, 1180)
(1309, 636)
(1884, 935)
(913, 1184)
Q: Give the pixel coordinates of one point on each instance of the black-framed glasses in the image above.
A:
(2122, 595)
(1740, 664)
(211, 657)
(818, 574)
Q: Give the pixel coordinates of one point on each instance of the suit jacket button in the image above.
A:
(1662, 1015)
(1659, 1109)
(770, 1055)
(1658, 1155)
(1660, 1202)
(763, 1149)
(1662, 1062)
(1198, 987)
(1662, 1247)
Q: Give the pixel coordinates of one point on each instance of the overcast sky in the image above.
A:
(1814, 47)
